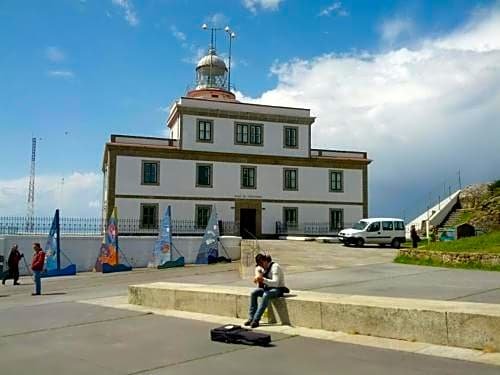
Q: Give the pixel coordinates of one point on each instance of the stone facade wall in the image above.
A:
(486, 259)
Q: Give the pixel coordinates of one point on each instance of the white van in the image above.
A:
(382, 231)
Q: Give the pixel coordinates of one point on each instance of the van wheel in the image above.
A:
(396, 243)
(360, 242)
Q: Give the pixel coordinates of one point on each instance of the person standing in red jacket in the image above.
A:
(37, 268)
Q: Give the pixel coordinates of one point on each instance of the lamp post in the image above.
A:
(231, 36)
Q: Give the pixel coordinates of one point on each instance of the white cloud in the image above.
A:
(77, 196)
(476, 35)
(130, 14)
(196, 53)
(335, 8)
(422, 114)
(95, 204)
(394, 29)
(54, 54)
(65, 74)
(179, 35)
(255, 5)
(217, 20)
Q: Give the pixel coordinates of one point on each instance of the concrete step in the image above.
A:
(454, 217)
(459, 324)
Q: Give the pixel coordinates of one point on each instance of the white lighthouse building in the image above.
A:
(253, 163)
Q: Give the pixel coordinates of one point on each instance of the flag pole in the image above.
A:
(58, 241)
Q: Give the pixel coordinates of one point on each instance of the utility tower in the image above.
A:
(31, 188)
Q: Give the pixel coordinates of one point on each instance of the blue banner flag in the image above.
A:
(53, 252)
(162, 252)
(209, 248)
(51, 247)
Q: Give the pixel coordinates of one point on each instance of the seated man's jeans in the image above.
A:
(256, 310)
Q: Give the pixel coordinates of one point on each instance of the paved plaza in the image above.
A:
(56, 333)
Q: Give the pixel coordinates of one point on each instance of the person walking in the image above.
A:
(37, 268)
(414, 237)
(13, 263)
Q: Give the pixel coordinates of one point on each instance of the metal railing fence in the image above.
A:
(310, 228)
(88, 226)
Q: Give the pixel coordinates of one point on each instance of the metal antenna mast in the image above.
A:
(31, 188)
(231, 35)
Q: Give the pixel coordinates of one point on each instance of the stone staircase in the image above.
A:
(454, 218)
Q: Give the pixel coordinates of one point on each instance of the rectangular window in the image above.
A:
(248, 177)
(149, 216)
(374, 227)
(150, 172)
(202, 215)
(291, 137)
(249, 134)
(336, 219)
(203, 175)
(399, 225)
(241, 133)
(387, 225)
(204, 131)
(290, 177)
(336, 181)
(291, 216)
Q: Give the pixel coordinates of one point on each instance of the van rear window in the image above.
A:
(387, 225)
(399, 225)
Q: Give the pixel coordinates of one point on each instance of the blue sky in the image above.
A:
(72, 72)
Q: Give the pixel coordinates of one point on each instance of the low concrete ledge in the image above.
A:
(460, 324)
(296, 238)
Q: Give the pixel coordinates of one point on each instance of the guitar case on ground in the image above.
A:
(233, 334)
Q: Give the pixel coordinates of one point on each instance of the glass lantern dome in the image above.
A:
(211, 72)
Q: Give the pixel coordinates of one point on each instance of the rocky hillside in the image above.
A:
(482, 202)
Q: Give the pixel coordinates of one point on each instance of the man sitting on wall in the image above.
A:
(271, 285)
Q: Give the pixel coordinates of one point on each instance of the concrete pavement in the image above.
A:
(56, 334)
(86, 339)
(326, 268)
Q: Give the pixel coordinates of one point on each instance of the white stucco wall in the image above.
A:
(224, 137)
(271, 212)
(243, 107)
(83, 251)
(175, 130)
(177, 178)
(181, 209)
(307, 213)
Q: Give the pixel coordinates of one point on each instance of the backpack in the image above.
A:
(233, 334)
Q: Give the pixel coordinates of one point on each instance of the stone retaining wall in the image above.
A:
(486, 259)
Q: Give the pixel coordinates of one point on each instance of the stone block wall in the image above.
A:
(452, 258)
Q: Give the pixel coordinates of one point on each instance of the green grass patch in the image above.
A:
(465, 217)
(485, 243)
(403, 259)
